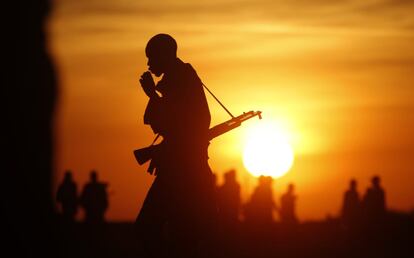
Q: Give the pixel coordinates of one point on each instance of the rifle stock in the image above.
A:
(144, 154)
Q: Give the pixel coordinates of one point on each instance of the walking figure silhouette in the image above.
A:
(179, 211)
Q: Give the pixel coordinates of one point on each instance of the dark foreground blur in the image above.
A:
(329, 238)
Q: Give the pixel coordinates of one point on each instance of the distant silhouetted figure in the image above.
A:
(287, 206)
(374, 201)
(179, 211)
(94, 200)
(351, 208)
(229, 199)
(259, 210)
(67, 196)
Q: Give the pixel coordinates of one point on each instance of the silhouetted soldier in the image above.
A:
(229, 200)
(67, 196)
(180, 201)
(259, 210)
(351, 209)
(374, 201)
(287, 206)
(94, 200)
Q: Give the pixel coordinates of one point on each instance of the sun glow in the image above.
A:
(267, 151)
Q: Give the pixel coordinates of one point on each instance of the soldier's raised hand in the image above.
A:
(148, 85)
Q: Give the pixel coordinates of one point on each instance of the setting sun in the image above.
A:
(267, 152)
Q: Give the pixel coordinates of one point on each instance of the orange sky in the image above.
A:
(338, 76)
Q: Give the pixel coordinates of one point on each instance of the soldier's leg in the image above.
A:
(150, 222)
(183, 238)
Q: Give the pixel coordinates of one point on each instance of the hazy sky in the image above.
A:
(338, 76)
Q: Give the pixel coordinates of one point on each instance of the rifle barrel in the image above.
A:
(232, 123)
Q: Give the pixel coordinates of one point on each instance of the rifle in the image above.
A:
(145, 154)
